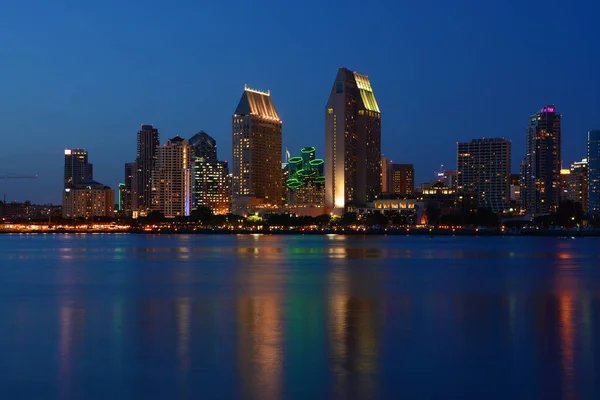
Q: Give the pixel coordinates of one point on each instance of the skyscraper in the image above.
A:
(385, 174)
(127, 197)
(77, 168)
(541, 168)
(352, 143)
(204, 146)
(210, 177)
(594, 172)
(402, 179)
(484, 168)
(256, 148)
(147, 151)
(172, 179)
(577, 183)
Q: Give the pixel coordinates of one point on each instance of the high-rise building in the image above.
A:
(305, 181)
(352, 143)
(402, 179)
(127, 196)
(577, 183)
(594, 172)
(77, 168)
(542, 164)
(204, 146)
(210, 178)
(515, 188)
(88, 199)
(385, 174)
(172, 179)
(147, 152)
(211, 185)
(564, 178)
(484, 168)
(122, 194)
(257, 130)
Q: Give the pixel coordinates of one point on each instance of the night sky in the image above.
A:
(82, 74)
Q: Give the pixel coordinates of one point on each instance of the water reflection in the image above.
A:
(260, 349)
(292, 317)
(353, 335)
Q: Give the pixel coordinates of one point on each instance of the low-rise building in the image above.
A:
(87, 200)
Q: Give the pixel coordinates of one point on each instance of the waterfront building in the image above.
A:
(401, 179)
(385, 174)
(565, 173)
(306, 183)
(147, 152)
(77, 168)
(88, 199)
(127, 195)
(121, 200)
(172, 179)
(256, 134)
(542, 164)
(484, 169)
(204, 146)
(578, 183)
(515, 189)
(352, 143)
(594, 172)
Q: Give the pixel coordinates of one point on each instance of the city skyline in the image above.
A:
(436, 82)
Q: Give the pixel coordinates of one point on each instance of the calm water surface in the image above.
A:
(298, 317)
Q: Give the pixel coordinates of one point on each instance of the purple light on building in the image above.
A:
(548, 109)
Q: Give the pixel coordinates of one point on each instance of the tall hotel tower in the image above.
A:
(352, 143)
(540, 191)
(147, 152)
(256, 169)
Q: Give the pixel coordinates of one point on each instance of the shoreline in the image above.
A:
(369, 232)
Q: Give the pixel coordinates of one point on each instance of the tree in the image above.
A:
(349, 218)
(323, 220)
(154, 217)
(569, 214)
(433, 212)
(201, 214)
(377, 219)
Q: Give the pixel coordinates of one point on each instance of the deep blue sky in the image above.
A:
(83, 74)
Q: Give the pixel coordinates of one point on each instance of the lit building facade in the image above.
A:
(204, 146)
(564, 178)
(484, 169)
(385, 174)
(515, 189)
(121, 202)
(540, 191)
(256, 168)
(402, 179)
(211, 186)
(127, 195)
(594, 172)
(172, 179)
(77, 167)
(305, 181)
(147, 152)
(88, 199)
(578, 183)
(352, 143)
